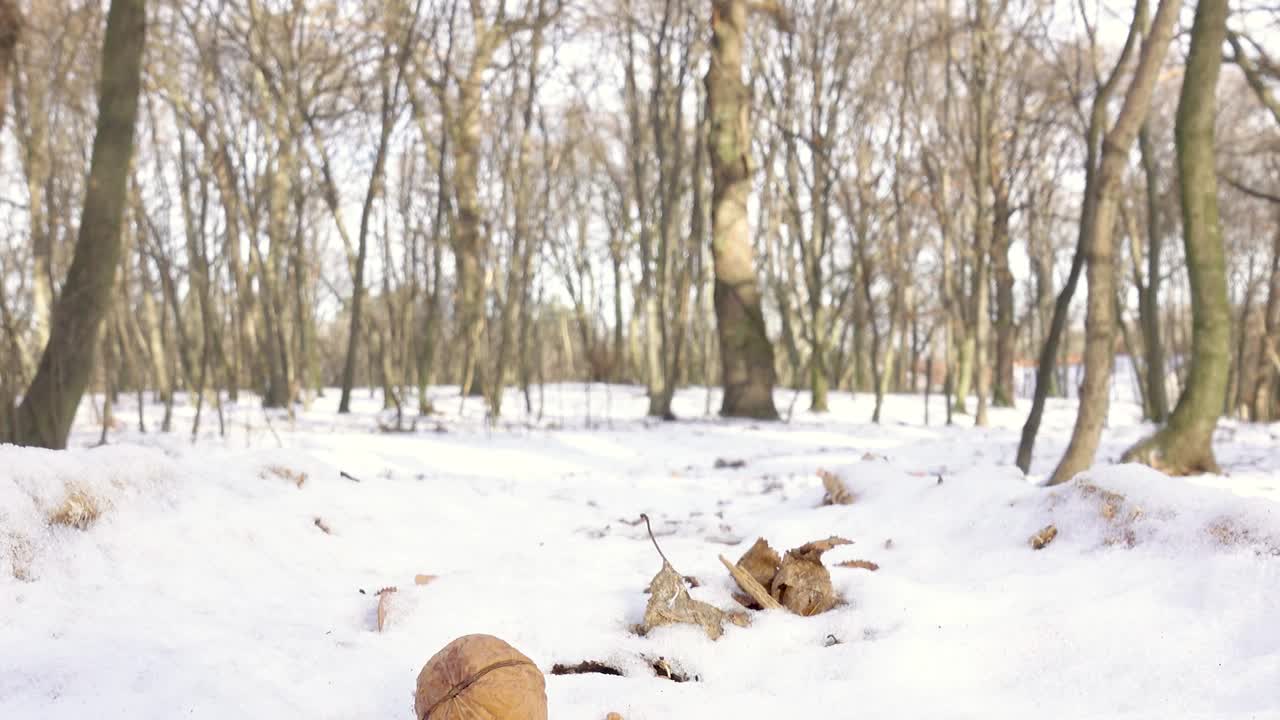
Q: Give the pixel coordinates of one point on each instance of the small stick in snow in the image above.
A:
(348, 476)
(323, 526)
(751, 586)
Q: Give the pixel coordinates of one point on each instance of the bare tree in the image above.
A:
(49, 405)
(1185, 445)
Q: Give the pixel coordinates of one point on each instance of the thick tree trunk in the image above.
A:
(1185, 445)
(746, 354)
(49, 405)
(1099, 353)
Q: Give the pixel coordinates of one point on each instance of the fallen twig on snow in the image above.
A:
(751, 587)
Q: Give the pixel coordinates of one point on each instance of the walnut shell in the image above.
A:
(480, 677)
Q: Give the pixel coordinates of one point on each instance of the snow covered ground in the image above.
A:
(206, 587)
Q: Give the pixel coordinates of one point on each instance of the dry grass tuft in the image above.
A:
(297, 477)
(80, 510)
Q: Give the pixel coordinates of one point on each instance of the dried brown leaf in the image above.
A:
(1041, 539)
(803, 583)
(815, 549)
(670, 603)
(424, 579)
(761, 562)
(837, 492)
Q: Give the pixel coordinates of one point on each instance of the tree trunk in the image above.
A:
(10, 32)
(1002, 392)
(982, 219)
(746, 354)
(1149, 293)
(1099, 353)
(1185, 445)
(1264, 398)
(49, 405)
(469, 244)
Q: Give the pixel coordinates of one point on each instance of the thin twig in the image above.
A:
(751, 586)
(649, 527)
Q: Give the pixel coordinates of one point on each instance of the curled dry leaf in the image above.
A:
(761, 562)
(837, 492)
(1041, 539)
(803, 583)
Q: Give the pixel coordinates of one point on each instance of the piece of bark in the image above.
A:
(751, 586)
(384, 606)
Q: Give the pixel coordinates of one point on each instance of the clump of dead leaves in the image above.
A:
(797, 581)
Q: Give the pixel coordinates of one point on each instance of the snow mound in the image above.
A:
(46, 497)
(1130, 505)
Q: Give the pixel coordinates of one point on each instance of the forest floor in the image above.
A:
(236, 577)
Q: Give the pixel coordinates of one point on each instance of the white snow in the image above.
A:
(206, 589)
